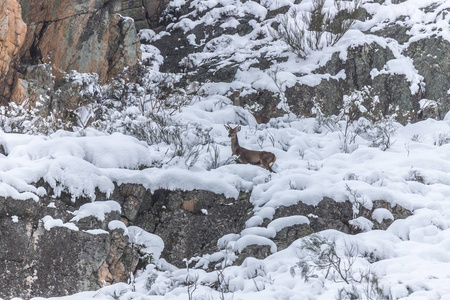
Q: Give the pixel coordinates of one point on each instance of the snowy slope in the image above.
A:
(421, 19)
(411, 255)
(408, 260)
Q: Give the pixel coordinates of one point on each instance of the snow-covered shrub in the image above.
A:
(185, 141)
(307, 31)
(323, 256)
(360, 115)
(340, 263)
(19, 119)
(84, 87)
(149, 90)
(50, 107)
(379, 132)
(358, 201)
(344, 122)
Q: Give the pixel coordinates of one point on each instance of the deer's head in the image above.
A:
(232, 132)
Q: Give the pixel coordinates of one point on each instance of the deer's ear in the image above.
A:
(238, 128)
(226, 126)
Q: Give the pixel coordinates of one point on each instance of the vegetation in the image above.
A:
(307, 31)
(326, 259)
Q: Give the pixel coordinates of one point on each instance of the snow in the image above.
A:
(96, 209)
(151, 243)
(410, 258)
(362, 223)
(96, 231)
(381, 214)
(283, 222)
(116, 224)
(415, 177)
(50, 222)
(251, 239)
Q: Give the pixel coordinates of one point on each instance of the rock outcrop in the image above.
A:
(42, 255)
(190, 223)
(12, 36)
(78, 35)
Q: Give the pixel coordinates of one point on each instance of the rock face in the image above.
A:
(87, 36)
(328, 214)
(37, 259)
(145, 13)
(190, 223)
(45, 252)
(12, 36)
(98, 36)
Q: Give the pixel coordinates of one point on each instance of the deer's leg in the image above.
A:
(270, 164)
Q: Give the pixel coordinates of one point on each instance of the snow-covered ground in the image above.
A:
(314, 160)
(409, 258)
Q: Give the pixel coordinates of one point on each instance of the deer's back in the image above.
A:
(254, 157)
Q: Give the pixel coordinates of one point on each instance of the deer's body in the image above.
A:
(245, 156)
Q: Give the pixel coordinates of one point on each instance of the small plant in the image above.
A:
(223, 284)
(19, 119)
(415, 138)
(379, 132)
(359, 203)
(442, 139)
(214, 157)
(324, 257)
(191, 281)
(415, 175)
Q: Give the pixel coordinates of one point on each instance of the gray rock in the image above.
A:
(35, 261)
(431, 58)
(190, 223)
(328, 214)
(393, 90)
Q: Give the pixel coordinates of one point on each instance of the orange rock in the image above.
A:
(12, 36)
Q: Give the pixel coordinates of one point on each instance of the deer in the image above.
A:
(263, 159)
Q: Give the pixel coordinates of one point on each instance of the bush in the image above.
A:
(147, 89)
(324, 259)
(360, 115)
(18, 119)
(307, 31)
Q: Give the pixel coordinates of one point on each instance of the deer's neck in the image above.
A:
(234, 145)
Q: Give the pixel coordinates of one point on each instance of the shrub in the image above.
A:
(324, 259)
(307, 31)
(360, 115)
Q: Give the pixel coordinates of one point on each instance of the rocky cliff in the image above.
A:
(87, 36)
(12, 36)
(100, 37)
(52, 239)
